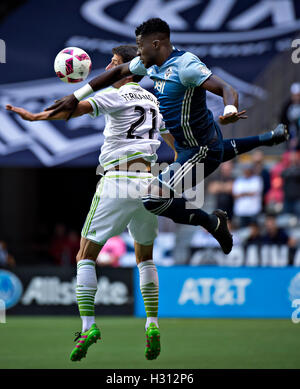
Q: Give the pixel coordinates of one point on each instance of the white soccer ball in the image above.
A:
(72, 64)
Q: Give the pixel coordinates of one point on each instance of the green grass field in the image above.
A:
(46, 342)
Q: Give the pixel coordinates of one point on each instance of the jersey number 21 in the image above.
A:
(141, 121)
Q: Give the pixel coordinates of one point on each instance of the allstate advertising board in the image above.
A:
(224, 292)
(51, 290)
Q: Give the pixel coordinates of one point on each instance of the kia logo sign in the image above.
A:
(218, 21)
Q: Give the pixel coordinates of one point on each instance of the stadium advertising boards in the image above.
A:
(236, 39)
(51, 290)
(252, 255)
(202, 249)
(223, 292)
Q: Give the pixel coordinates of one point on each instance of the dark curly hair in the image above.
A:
(126, 52)
(151, 26)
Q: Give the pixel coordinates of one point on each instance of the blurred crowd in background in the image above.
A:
(259, 194)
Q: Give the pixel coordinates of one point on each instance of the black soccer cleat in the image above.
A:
(279, 135)
(222, 234)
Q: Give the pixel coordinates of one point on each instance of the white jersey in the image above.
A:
(133, 124)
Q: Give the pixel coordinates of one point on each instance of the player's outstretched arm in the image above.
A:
(109, 77)
(219, 87)
(82, 108)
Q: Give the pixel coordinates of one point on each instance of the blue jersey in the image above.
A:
(182, 101)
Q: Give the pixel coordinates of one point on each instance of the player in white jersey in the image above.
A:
(133, 124)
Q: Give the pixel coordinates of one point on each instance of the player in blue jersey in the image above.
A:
(180, 84)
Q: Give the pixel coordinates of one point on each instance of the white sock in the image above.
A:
(151, 320)
(87, 322)
(85, 292)
(149, 288)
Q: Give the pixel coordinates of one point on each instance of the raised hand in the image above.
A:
(232, 117)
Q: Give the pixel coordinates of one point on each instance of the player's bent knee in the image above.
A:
(153, 204)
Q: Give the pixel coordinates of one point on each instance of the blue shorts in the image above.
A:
(193, 164)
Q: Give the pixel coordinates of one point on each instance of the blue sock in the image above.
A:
(175, 209)
(233, 147)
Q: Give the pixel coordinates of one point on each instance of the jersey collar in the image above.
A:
(174, 53)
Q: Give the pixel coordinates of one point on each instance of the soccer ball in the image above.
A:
(72, 64)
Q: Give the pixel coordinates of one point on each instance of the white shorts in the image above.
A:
(117, 204)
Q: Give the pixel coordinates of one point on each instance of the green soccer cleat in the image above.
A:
(152, 349)
(85, 340)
